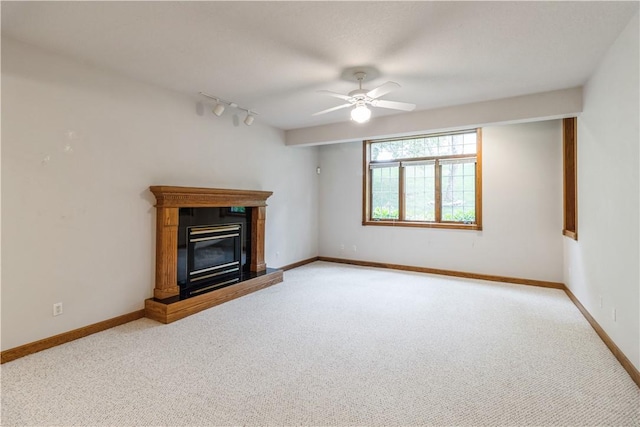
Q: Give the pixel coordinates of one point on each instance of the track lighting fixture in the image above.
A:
(221, 105)
(218, 109)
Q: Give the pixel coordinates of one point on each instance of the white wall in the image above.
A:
(79, 228)
(522, 210)
(604, 262)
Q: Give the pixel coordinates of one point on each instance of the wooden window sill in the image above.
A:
(419, 224)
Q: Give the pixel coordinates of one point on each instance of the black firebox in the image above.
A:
(210, 256)
(213, 252)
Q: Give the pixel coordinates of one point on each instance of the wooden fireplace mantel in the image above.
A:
(170, 199)
(194, 197)
(166, 306)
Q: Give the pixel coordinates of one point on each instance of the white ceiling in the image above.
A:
(272, 57)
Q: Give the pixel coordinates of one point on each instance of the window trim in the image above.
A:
(570, 177)
(367, 190)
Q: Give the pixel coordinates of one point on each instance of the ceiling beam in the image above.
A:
(539, 106)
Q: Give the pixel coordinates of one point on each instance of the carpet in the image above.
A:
(338, 345)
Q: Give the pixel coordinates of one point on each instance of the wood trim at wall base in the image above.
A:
(277, 277)
(43, 344)
(504, 279)
(168, 313)
(299, 263)
(624, 361)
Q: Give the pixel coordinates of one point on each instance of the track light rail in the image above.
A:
(221, 104)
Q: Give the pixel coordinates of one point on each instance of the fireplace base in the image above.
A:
(174, 308)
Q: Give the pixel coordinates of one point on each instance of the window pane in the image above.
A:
(384, 193)
(412, 148)
(444, 145)
(464, 143)
(458, 192)
(419, 187)
(386, 150)
(441, 145)
(431, 146)
(470, 140)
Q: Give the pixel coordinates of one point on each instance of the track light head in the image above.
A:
(249, 119)
(218, 109)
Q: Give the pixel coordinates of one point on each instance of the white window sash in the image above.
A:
(384, 165)
(458, 161)
(419, 162)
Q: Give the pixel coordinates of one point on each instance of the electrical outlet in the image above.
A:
(355, 248)
(57, 309)
(613, 314)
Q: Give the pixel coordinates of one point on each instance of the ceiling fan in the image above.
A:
(360, 98)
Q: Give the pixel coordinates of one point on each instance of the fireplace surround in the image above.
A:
(168, 303)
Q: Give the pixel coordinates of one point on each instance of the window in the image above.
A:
(424, 181)
(570, 180)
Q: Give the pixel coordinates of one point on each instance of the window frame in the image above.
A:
(367, 194)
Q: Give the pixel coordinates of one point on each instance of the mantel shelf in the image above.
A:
(192, 197)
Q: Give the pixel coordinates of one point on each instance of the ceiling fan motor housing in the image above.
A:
(359, 93)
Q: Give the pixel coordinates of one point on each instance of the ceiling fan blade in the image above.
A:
(382, 90)
(394, 105)
(339, 107)
(336, 95)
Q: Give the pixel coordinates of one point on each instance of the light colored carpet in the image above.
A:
(338, 345)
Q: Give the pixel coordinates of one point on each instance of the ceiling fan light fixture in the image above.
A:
(360, 99)
(360, 114)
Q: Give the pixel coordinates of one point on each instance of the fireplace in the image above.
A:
(209, 249)
(213, 247)
(211, 257)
